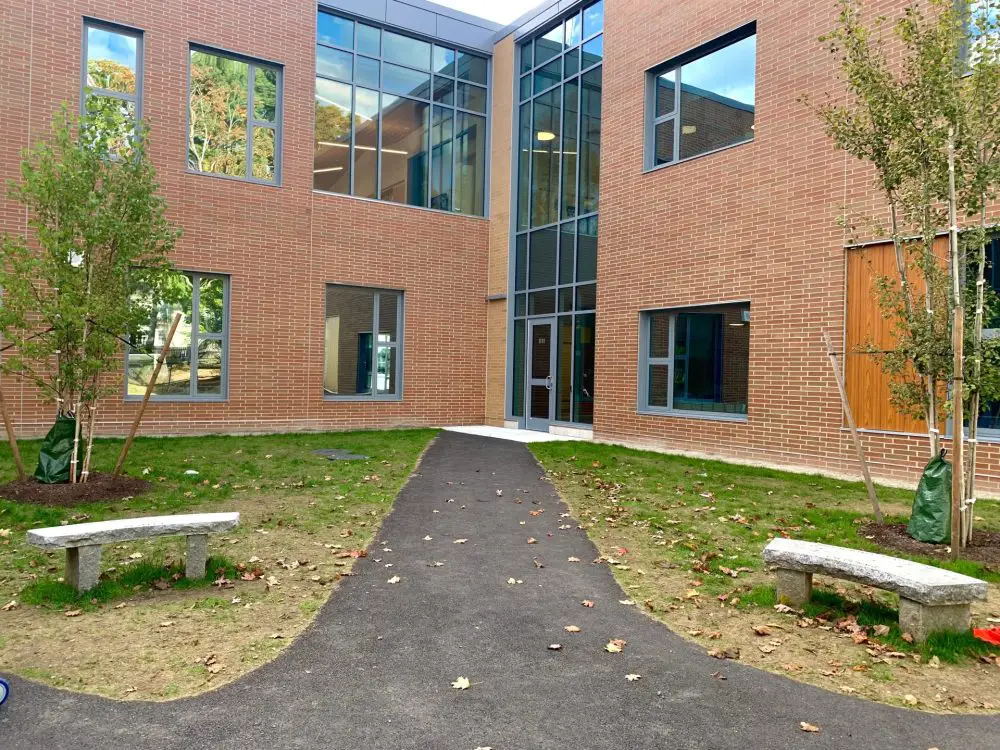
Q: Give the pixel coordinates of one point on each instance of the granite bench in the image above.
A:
(929, 598)
(83, 541)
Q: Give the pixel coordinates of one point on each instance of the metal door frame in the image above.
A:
(536, 423)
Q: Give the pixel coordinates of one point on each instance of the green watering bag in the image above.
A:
(930, 520)
(57, 451)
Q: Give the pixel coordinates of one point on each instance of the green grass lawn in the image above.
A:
(229, 469)
(694, 530)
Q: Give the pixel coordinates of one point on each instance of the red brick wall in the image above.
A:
(281, 246)
(757, 222)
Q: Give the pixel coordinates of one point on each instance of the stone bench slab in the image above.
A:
(925, 584)
(130, 529)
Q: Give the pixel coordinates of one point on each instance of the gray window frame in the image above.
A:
(429, 100)
(674, 65)
(252, 122)
(196, 338)
(115, 28)
(397, 344)
(645, 361)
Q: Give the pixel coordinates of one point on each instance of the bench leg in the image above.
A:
(794, 587)
(83, 566)
(920, 620)
(197, 556)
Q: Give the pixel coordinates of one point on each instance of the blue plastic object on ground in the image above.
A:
(4, 690)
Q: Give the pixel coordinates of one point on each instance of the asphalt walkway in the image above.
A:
(375, 670)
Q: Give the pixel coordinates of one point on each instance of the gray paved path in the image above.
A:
(375, 669)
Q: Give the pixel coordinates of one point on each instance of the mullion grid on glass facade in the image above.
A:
(433, 76)
(526, 229)
(135, 98)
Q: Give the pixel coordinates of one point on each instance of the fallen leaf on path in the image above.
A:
(807, 727)
(719, 676)
(427, 538)
(571, 629)
(633, 677)
(462, 683)
(761, 630)
(74, 613)
(513, 581)
(8, 606)
(587, 603)
(532, 540)
(536, 512)
(614, 646)
(394, 579)
(460, 541)
(626, 602)
(555, 647)
(167, 624)
(435, 564)
(573, 559)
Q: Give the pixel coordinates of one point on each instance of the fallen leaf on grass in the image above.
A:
(907, 637)
(462, 683)
(807, 727)
(633, 677)
(728, 653)
(614, 646)
(74, 613)
(881, 630)
(571, 629)
(910, 700)
(394, 579)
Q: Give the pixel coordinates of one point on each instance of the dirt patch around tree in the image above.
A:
(985, 546)
(98, 488)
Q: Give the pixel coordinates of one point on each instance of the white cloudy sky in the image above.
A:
(501, 11)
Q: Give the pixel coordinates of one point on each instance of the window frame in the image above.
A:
(252, 122)
(674, 64)
(196, 338)
(429, 100)
(645, 361)
(397, 344)
(115, 28)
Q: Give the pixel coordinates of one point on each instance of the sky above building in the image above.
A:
(501, 11)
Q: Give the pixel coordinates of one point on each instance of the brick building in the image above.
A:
(613, 218)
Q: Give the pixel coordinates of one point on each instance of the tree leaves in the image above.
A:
(461, 683)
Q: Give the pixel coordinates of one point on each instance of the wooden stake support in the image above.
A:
(149, 392)
(859, 449)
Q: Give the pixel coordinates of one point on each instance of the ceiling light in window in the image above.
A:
(545, 135)
(689, 129)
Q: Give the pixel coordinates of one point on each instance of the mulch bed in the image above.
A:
(97, 488)
(985, 546)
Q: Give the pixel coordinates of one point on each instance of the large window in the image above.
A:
(234, 117)
(695, 361)
(398, 118)
(195, 367)
(363, 333)
(112, 70)
(554, 259)
(715, 108)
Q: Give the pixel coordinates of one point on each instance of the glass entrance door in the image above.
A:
(541, 371)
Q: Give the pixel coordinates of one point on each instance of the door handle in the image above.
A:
(548, 383)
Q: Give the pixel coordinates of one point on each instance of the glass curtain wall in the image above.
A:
(399, 119)
(558, 174)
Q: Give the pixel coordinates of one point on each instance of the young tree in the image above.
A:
(97, 236)
(922, 111)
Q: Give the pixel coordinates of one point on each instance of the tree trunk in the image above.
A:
(8, 426)
(958, 374)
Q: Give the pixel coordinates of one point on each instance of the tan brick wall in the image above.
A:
(502, 116)
(281, 245)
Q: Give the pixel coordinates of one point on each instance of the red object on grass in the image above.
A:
(990, 635)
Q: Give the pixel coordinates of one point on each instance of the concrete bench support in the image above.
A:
(83, 541)
(197, 556)
(794, 587)
(83, 566)
(930, 599)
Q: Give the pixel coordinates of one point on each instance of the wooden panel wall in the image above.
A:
(867, 385)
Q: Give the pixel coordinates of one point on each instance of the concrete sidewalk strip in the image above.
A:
(377, 668)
